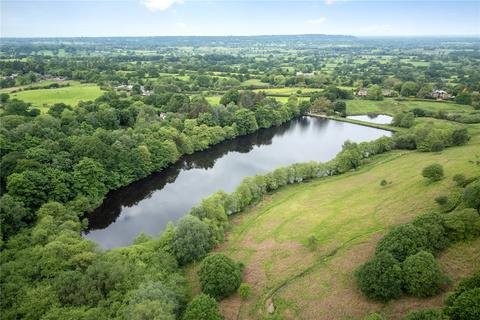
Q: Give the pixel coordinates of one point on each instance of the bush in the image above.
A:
(434, 172)
(244, 291)
(459, 179)
(462, 225)
(219, 276)
(403, 120)
(421, 275)
(191, 240)
(202, 307)
(471, 195)
(403, 241)
(405, 141)
(436, 235)
(464, 285)
(380, 278)
(383, 183)
(466, 306)
(429, 314)
(460, 137)
(441, 200)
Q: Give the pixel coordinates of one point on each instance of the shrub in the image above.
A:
(436, 235)
(380, 278)
(464, 285)
(441, 200)
(202, 307)
(466, 306)
(403, 241)
(459, 179)
(244, 291)
(405, 141)
(421, 275)
(434, 172)
(437, 146)
(471, 195)
(462, 224)
(219, 276)
(403, 119)
(312, 242)
(429, 314)
(191, 240)
(460, 137)
(383, 183)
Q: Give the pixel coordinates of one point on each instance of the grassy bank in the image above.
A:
(345, 215)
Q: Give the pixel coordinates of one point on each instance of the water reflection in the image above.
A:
(373, 118)
(147, 205)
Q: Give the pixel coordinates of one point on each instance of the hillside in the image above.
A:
(346, 215)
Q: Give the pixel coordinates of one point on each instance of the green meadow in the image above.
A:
(70, 95)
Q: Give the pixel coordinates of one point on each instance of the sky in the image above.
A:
(89, 18)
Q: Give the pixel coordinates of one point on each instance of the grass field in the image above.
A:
(255, 83)
(347, 215)
(69, 95)
(390, 106)
(289, 90)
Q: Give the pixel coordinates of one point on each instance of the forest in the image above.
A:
(82, 117)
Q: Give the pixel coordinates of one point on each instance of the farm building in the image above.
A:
(440, 95)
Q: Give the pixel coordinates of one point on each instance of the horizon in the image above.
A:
(223, 18)
(251, 35)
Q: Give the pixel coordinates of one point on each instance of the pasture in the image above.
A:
(71, 95)
(390, 106)
(302, 244)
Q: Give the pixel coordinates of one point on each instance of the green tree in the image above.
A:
(422, 275)
(219, 275)
(191, 240)
(374, 92)
(460, 137)
(340, 107)
(466, 306)
(13, 216)
(380, 278)
(463, 97)
(471, 195)
(89, 177)
(29, 187)
(403, 241)
(409, 88)
(202, 307)
(246, 121)
(433, 172)
(244, 290)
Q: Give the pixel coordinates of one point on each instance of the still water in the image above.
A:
(375, 118)
(149, 204)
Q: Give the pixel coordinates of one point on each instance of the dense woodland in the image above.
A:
(59, 161)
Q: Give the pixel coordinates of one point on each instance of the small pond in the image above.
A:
(373, 118)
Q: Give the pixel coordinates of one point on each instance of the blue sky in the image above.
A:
(38, 18)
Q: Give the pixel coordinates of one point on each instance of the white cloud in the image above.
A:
(375, 28)
(329, 1)
(316, 21)
(162, 5)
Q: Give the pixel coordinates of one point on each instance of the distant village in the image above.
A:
(435, 94)
(129, 88)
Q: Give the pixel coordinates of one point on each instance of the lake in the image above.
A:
(149, 204)
(373, 118)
